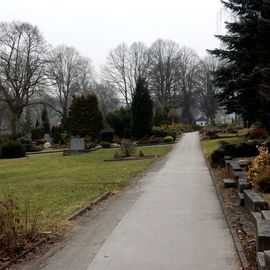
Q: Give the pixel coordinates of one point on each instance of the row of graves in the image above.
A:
(255, 205)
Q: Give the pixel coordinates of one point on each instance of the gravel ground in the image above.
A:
(240, 218)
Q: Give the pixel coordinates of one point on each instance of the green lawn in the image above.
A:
(58, 185)
(211, 145)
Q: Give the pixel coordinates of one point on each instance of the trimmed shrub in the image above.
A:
(27, 143)
(168, 139)
(105, 144)
(107, 135)
(37, 133)
(11, 149)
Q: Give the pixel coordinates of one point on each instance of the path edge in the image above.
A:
(236, 240)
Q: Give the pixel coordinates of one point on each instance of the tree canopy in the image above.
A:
(243, 77)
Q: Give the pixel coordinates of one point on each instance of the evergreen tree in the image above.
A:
(85, 116)
(141, 110)
(37, 123)
(159, 117)
(45, 121)
(245, 56)
(56, 134)
(120, 121)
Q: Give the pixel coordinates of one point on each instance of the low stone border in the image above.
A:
(132, 158)
(69, 152)
(88, 207)
(45, 152)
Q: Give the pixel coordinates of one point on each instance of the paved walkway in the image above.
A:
(176, 224)
(172, 220)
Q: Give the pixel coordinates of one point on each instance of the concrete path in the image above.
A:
(172, 220)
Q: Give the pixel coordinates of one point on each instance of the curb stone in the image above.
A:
(88, 207)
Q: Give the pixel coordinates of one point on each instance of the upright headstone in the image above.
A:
(77, 144)
(47, 138)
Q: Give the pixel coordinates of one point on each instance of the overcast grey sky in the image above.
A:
(96, 26)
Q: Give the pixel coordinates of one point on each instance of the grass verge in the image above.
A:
(58, 186)
(209, 146)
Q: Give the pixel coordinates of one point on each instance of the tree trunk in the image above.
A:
(15, 124)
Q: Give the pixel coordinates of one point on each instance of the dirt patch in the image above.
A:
(241, 219)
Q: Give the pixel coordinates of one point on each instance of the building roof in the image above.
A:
(201, 119)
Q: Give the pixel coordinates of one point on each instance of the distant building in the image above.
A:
(202, 122)
(222, 117)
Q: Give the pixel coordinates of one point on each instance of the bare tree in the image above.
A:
(138, 64)
(188, 71)
(108, 100)
(123, 67)
(68, 73)
(116, 70)
(86, 76)
(207, 90)
(163, 71)
(22, 51)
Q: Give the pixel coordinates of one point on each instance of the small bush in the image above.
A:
(212, 134)
(217, 158)
(116, 155)
(262, 181)
(186, 128)
(258, 133)
(17, 227)
(141, 154)
(90, 145)
(154, 140)
(143, 140)
(105, 144)
(259, 165)
(127, 148)
(168, 139)
(159, 132)
(107, 135)
(56, 134)
(37, 133)
(172, 133)
(11, 149)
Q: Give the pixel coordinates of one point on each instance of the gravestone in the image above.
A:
(47, 145)
(47, 138)
(77, 144)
